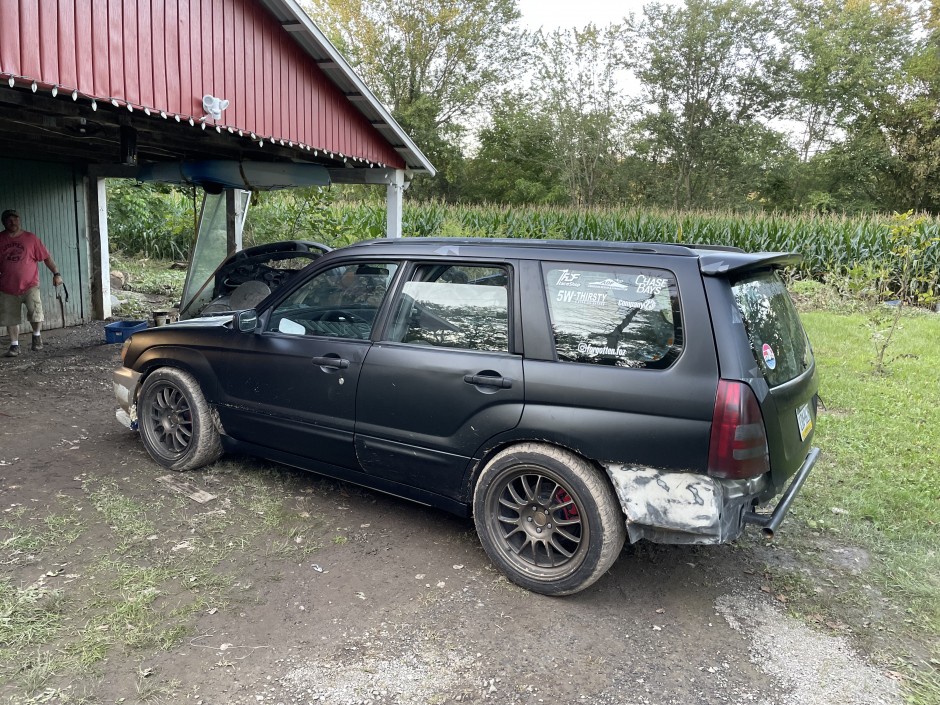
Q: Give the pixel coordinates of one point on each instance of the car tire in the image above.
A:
(547, 518)
(175, 421)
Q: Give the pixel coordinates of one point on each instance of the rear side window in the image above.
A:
(608, 315)
(778, 341)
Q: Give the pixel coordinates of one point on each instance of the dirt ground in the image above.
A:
(302, 590)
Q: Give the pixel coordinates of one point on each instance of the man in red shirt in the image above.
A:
(20, 255)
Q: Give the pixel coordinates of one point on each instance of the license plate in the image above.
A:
(805, 421)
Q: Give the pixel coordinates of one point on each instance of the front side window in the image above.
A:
(454, 306)
(610, 315)
(340, 302)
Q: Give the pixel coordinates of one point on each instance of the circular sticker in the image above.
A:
(769, 358)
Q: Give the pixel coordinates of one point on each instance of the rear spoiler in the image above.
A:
(715, 263)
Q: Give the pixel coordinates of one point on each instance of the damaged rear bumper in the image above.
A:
(125, 382)
(690, 508)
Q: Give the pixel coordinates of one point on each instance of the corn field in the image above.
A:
(830, 244)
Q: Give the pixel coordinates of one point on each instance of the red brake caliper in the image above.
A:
(562, 497)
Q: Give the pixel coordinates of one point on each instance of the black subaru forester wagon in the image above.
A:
(567, 394)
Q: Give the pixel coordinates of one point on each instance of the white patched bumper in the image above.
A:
(125, 382)
(682, 507)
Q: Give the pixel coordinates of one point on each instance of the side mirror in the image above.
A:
(246, 321)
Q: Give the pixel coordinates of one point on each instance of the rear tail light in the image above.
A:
(738, 446)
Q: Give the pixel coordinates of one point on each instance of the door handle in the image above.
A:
(501, 382)
(334, 362)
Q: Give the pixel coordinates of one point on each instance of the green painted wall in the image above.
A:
(51, 201)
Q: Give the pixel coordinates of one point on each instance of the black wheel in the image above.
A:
(175, 421)
(547, 518)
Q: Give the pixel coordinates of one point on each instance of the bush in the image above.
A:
(152, 220)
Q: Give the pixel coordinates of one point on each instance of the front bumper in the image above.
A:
(126, 382)
(690, 508)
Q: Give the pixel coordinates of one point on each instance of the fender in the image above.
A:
(189, 359)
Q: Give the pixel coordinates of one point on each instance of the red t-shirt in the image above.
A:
(19, 258)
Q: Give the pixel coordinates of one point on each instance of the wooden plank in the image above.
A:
(85, 65)
(186, 488)
(49, 41)
(68, 72)
(160, 65)
(30, 63)
(145, 54)
(130, 86)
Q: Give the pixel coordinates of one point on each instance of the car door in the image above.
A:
(292, 385)
(444, 378)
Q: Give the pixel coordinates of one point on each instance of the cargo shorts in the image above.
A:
(11, 307)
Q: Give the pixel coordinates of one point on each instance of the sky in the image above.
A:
(566, 14)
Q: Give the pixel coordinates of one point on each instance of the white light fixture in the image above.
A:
(115, 103)
(12, 81)
(147, 112)
(214, 106)
(34, 87)
(94, 104)
(75, 95)
(55, 91)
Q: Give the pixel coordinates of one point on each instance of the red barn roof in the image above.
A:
(150, 64)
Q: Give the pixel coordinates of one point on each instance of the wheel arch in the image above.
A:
(185, 359)
(481, 460)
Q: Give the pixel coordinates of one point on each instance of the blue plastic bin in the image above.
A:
(119, 331)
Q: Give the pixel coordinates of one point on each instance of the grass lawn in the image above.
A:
(877, 485)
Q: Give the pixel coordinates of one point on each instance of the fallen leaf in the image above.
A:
(660, 611)
(782, 598)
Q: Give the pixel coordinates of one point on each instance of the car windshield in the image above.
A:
(778, 342)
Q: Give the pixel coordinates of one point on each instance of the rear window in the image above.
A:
(611, 315)
(778, 341)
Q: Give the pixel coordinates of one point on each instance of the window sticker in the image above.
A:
(769, 358)
(568, 278)
(591, 298)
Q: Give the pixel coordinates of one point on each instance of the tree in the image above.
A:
(430, 61)
(516, 161)
(912, 124)
(849, 58)
(576, 81)
(708, 69)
